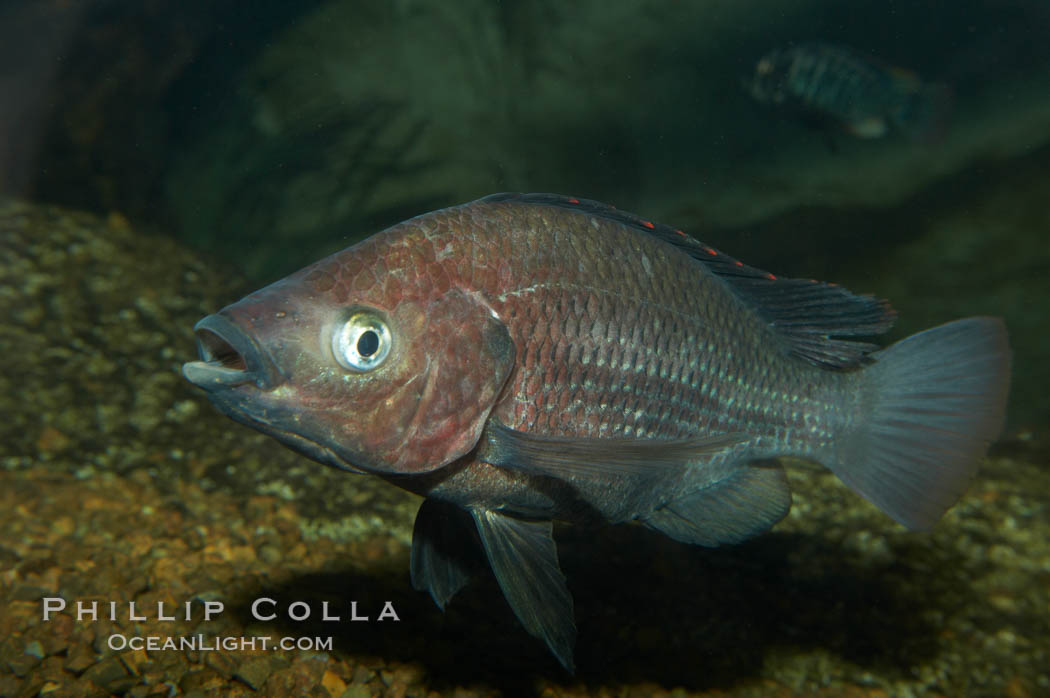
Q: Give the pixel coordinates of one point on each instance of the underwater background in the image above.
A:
(158, 159)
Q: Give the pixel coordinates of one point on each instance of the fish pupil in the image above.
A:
(368, 343)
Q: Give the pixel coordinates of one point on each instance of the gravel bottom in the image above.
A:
(856, 607)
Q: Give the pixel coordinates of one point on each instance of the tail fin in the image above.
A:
(936, 401)
(925, 111)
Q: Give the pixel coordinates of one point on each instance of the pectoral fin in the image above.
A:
(570, 456)
(525, 561)
(441, 550)
(731, 510)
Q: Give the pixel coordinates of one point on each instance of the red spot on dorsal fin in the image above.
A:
(711, 251)
(771, 277)
(681, 233)
(738, 262)
(574, 200)
(648, 224)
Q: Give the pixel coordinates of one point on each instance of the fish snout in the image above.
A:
(229, 356)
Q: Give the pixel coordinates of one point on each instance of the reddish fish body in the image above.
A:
(532, 357)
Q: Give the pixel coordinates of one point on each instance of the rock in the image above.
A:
(254, 672)
(13, 655)
(106, 673)
(204, 680)
(333, 684)
(362, 674)
(28, 592)
(80, 658)
(270, 554)
(9, 684)
(135, 661)
(222, 663)
(357, 691)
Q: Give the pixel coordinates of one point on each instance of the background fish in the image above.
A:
(525, 358)
(836, 86)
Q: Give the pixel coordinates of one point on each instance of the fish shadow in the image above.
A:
(649, 609)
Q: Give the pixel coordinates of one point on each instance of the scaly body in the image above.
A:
(656, 349)
(525, 358)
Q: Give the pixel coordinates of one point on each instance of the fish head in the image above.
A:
(767, 84)
(359, 363)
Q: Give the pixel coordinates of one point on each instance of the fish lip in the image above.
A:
(229, 357)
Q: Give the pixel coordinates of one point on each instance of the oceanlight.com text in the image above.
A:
(200, 643)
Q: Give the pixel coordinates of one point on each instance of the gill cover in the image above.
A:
(469, 355)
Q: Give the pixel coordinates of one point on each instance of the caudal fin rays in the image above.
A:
(935, 401)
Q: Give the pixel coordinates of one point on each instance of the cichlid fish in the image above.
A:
(526, 358)
(834, 86)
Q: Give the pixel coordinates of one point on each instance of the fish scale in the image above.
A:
(526, 358)
(650, 313)
(536, 405)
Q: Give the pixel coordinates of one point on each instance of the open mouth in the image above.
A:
(217, 351)
(229, 357)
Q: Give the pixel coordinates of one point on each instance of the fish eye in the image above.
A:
(362, 342)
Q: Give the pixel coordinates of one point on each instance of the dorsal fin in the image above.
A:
(811, 315)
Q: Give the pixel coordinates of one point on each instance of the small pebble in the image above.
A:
(254, 672)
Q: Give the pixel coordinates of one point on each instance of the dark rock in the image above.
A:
(201, 680)
(28, 592)
(80, 657)
(254, 672)
(31, 687)
(13, 655)
(8, 557)
(107, 672)
(357, 691)
(221, 662)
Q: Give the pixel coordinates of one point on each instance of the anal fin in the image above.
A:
(731, 510)
(525, 561)
(441, 550)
